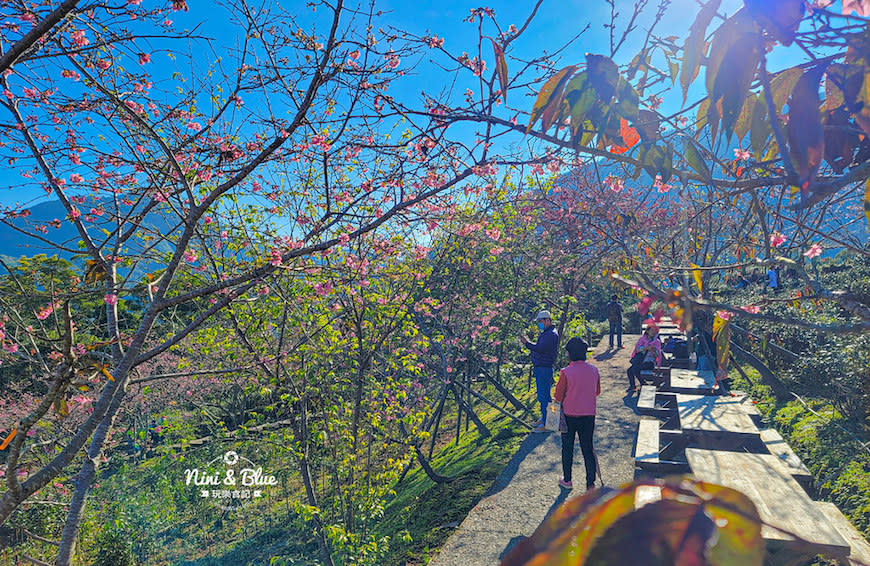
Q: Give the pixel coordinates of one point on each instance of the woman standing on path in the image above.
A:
(578, 388)
(647, 354)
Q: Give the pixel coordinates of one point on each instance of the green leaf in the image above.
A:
(581, 98)
(657, 160)
(781, 86)
(701, 119)
(761, 130)
(734, 78)
(745, 119)
(674, 69)
(695, 46)
(735, 29)
(550, 98)
(695, 160)
(627, 107)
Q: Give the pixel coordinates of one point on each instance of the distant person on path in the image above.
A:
(773, 280)
(614, 317)
(578, 388)
(647, 354)
(543, 358)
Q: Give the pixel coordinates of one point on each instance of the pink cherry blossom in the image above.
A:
(860, 6)
(741, 153)
(777, 239)
(144, 58)
(752, 309)
(79, 38)
(814, 251)
(323, 288)
(111, 299)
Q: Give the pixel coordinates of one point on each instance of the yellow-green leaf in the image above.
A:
(697, 275)
(500, 68)
(695, 160)
(550, 93)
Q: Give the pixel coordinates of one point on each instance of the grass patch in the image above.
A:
(147, 503)
(424, 514)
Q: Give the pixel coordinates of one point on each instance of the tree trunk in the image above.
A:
(86, 476)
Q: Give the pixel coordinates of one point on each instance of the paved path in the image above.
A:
(527, 489)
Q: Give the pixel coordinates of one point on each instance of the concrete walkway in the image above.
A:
(527, 490)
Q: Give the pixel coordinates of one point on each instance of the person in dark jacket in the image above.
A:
(614, 317)
(543, 353)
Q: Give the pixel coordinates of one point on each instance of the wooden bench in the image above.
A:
(778, 447)
(777, 496)
(717, 423)
(647, 454)
(860, 547)
(749, 406)
(691, 381)
(652, 403)
(659, 376)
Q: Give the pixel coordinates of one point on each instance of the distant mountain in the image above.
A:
(14, 244)
(52, 216)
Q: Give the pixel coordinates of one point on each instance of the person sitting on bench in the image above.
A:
(647, 354)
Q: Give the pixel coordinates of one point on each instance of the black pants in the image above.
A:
(634, 372)
(583, 427)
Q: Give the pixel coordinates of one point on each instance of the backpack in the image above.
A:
(614, 312)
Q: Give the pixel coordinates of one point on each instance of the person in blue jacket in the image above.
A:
(543, 353)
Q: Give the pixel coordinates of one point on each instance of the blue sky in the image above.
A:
(555, 23)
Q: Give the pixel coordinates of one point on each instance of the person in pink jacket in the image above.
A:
(578, 389)
(647, 354)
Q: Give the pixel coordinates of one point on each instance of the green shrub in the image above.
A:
(113, 545)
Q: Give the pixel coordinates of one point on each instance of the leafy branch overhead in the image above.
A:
(808, 125)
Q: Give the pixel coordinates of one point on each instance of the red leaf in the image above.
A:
(630, 137)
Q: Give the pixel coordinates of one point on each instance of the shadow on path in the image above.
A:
(532, 441)
(527, 490)
(560, 499)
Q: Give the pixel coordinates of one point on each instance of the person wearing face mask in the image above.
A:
(543, 353)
